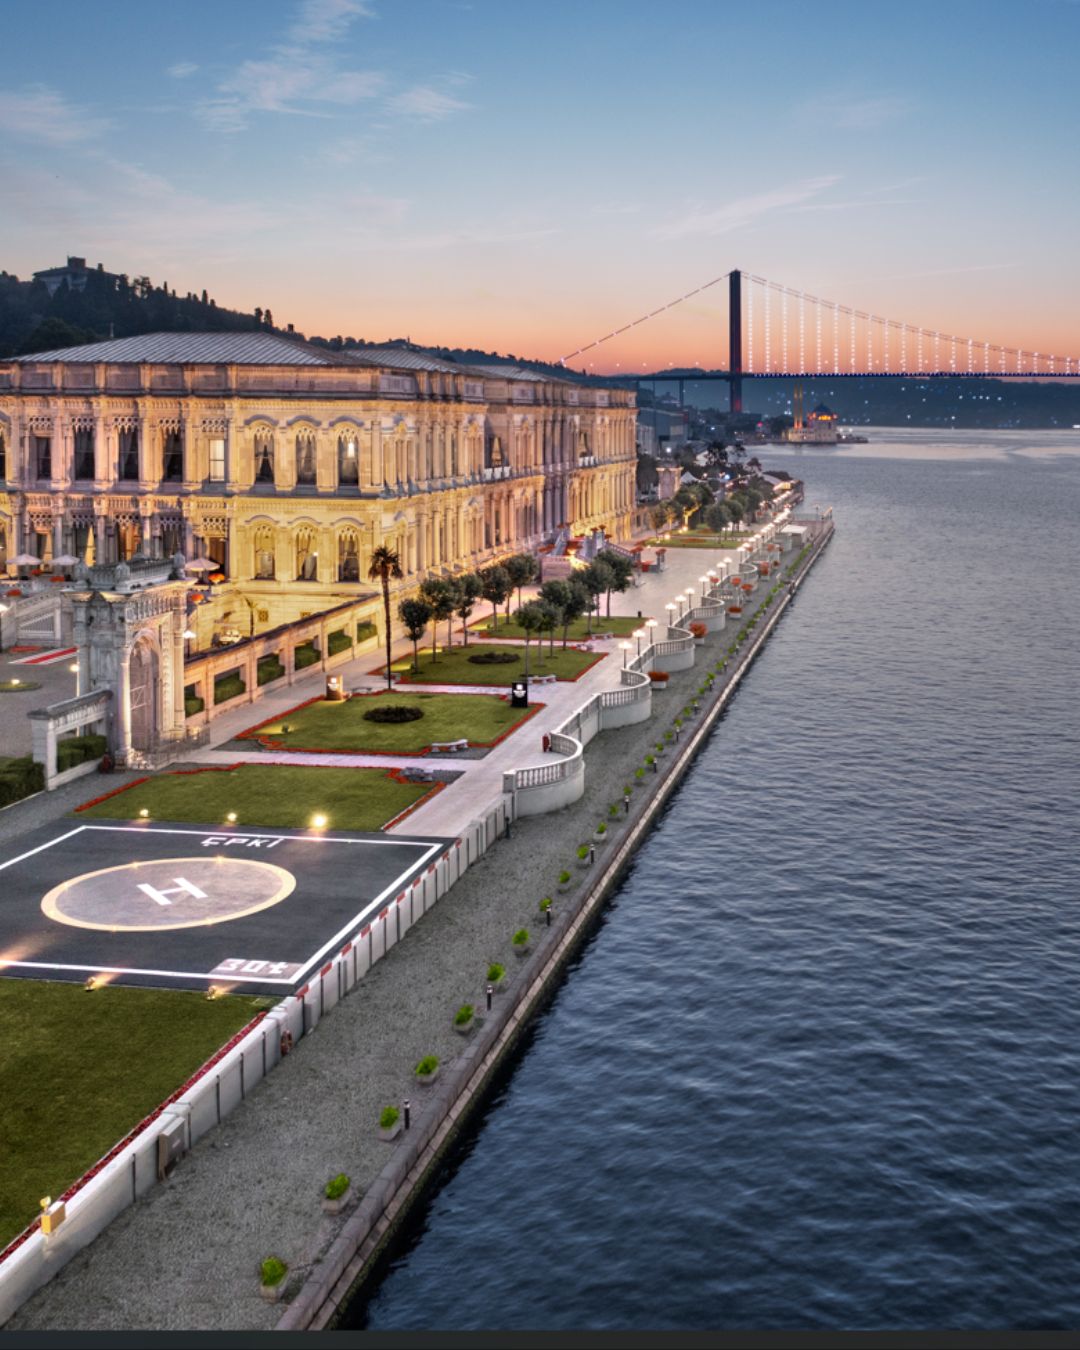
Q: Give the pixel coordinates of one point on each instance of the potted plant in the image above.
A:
(639, 777)
(583, 855)
(659, 678)
(669, 736)
(520, 942)
(699, 630)
(336, 1194)
(496, 974)
(272, 1274)
(564, 882)
(650, 762)
(600, 833)
(545, 904)
(427, 1070)
(464, 1018)
(613, 813)
(660, 748)
(389, 1124)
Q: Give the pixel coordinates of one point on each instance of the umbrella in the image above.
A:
(23, 560)
(202, 565)
(65, 560)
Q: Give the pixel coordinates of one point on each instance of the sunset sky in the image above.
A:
(526, 176)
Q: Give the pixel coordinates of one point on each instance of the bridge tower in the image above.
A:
(735, 359)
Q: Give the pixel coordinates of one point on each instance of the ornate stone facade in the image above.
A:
(289, 464)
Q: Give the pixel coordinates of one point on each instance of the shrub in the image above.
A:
(496, 972)
(394, 713)
(305, 655)
(464, 1014)
(336, 1187)
(193, 706)
(698, 629)
(427, 1066)
(20, 778)
(272, 1271)
(659, 676)
(545, 904)
(78, 749)
(389, 1117)
(650, 760)
(564, 877)
(521, 937)
(365, 630)
(659, 747)
(229, 686)
(669, 736)
(337, 641)
(601, 828)
(613, 810)
(583, 851)
(495, 658)
(639, 773)
(268, 669)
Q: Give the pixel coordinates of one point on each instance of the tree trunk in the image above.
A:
(464, 627)
(416, 656)
(386, 610)
(434, 638)
(449, 631)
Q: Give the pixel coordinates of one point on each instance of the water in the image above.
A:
(820, 1064)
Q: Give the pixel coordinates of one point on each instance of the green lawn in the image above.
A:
(81, 1070)
(274, 796)
(619, 625)
(693, 540)
(481, 718)
(454, 666)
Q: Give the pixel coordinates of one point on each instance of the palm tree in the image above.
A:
(385, 567)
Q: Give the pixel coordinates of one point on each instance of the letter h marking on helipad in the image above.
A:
(182, 887)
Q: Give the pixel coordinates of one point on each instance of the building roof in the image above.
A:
(241, 349)
(404, 358)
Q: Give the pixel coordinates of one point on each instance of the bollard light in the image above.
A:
(405, 1104)
(490, 991)
(231, 817)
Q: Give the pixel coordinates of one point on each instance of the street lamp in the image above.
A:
(670, 607)
(704, 581)
(74, 668)
(624, 647)
(639, 633)
(189, 638)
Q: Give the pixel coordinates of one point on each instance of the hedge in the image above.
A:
(229, 686)
(338, 641)
(193, 706)
(20, 778)
(365, 630)
(78, 749)
(305, 655)
(269, 668)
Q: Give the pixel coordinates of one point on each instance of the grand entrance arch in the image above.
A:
(145, 676)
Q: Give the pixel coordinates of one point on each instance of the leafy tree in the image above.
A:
(385, 567)
(598, 578)
(495, 587)
(718, 517)
(522, 568)
(469, 589)
(550, 616)
(716, 455)
(569, 597)
(658, 515)
(441, 596)
(533, 620)
(414, 614)
(647, 474)
(736, 505)
(53, 333)
(622, 573)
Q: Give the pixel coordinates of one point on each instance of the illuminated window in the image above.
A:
(348, 460)
(264, 456)
(217, 459)
(305, 457)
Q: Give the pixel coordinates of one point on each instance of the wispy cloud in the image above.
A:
(424, 103)
(853, 112)
(182, 69)
(733, 215)
(41, 114)
(327, 20)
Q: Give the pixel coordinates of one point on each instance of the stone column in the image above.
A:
(123, 710)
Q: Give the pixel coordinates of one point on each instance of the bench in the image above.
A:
(449, 747)
(543, 679)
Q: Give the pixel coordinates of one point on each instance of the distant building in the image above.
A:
(74, 273)
(818, 429)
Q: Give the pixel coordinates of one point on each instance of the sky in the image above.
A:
(527, 175)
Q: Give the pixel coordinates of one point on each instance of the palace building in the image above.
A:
(288, 464)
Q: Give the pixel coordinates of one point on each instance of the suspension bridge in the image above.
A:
(776, 331)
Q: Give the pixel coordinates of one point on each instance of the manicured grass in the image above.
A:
(322, 725)
(693, 540)
(275, 796)
(617, 624)
(82, 1070)
(454, 666)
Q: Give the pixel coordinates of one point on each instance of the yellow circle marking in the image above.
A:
(50, 905)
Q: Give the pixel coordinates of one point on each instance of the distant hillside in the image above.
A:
(32, 320)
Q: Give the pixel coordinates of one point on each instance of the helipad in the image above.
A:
(185, 905)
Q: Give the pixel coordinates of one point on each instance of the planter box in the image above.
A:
(599, 838)
(336, 1205)
(272, 1292)
(522, 949)
(564, 886)
(388, 1136)
(584, 862)
(426, 1079)
(463, 1028)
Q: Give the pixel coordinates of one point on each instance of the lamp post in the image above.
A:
(670, 607)
(74, 668)
(189, 638)
(639, 634)
(704, 581)
(624, 647)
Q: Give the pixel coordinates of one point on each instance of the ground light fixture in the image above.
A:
(144, 814)
(231, 817)
(318, 821)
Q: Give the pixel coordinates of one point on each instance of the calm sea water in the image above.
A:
(820, 1064)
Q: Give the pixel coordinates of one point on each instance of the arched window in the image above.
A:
(264, 455)
(264, 553)
(307, 560)
(348, 455)
(305, 457)
(348, 556)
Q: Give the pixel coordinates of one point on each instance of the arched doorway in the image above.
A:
(144, 669)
